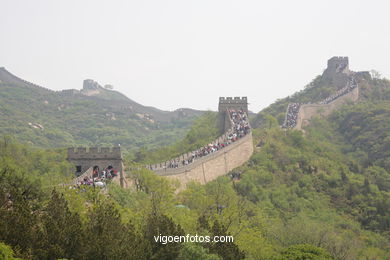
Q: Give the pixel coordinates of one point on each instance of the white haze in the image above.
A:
(172, 54)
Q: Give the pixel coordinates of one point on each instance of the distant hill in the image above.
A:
(93, 115)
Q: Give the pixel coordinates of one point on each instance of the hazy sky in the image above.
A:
(172, 54)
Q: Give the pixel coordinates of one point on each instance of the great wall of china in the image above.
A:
(13, 77)
(220, 162)
(308, 111)
(87, 84)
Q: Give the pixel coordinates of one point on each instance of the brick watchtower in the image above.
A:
(235, 103)
(83, 159)
(337, 72)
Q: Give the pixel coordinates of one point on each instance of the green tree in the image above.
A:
(6, 252)
(303, 252)
(18, 212)
(228, 250)
(161, 225)
(194, 252)
(64, 232)
(108, 238)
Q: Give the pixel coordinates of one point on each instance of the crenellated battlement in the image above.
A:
(236, 103)
(94, 153)
(338, 62)
(235, 100)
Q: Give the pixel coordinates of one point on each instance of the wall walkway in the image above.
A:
(308, 111)
(212, 166)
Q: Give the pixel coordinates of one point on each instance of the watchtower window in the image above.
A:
(78, 168)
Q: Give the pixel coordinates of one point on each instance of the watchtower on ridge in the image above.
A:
(337, 72)
(338, 64)
(235, 103)
(103, 157)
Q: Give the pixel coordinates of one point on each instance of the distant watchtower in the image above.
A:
(338, 64)
(83, 159)
(337, 71)
(90, 84)
(228, 103)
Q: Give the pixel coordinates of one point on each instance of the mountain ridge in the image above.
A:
(89, 85)
(81, 117)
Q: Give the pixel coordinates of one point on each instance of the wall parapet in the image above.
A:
(87, 174)
(298, 115)
(196, 163)
(25, 81)
(215, 165)
(308, 111)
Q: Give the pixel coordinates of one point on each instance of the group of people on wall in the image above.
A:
(291, 119)
(240, 128)
(98, 178)
(348, 88)
(292, 115)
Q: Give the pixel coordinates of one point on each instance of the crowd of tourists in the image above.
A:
(240, 128)
(98, 178)
(292, 115)
(293, 108)
(348, 88)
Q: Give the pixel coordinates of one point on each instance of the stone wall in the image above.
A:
(87, 174)
(210, 167)
(308, 111)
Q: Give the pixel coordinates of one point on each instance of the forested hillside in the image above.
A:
(296, 196)
(97, 117)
